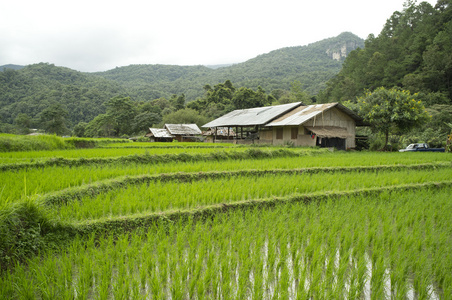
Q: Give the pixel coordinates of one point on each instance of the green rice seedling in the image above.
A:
(24, 286)
(222, 248)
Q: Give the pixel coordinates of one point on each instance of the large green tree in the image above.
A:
(101, 126)
(53, 119)
(392, 110)
(185, 116)
(123, 111)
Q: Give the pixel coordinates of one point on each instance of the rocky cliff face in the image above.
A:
(340, 51)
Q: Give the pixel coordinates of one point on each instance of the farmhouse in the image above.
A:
(170, 132)
(324, 125)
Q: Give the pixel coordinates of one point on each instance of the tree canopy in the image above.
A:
(392, 110)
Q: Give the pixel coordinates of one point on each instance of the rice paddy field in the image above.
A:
(204, 221)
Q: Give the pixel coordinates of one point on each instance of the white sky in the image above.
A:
(98, 35)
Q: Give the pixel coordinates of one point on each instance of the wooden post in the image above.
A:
(215, 136)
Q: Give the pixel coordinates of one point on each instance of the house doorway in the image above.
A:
(337, 143)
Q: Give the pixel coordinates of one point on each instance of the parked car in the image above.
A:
(420, 148)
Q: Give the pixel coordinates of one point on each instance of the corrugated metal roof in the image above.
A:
(183, 129)
(252, 116)
(302, 114)
(159, 133)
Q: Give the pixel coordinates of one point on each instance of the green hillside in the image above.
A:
(26, 92)
(34, 88)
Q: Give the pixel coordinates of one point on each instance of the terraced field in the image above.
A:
(196, 222)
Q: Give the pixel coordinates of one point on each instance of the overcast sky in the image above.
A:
(98, 35)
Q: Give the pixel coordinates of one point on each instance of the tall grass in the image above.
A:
(384, 247)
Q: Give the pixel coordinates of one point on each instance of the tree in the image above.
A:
(53, 119)
(101, 126)
(449, 139)
(297, 92)
(144, 120)
(178, 102)
(122, 110)
(79, 129)
(23, 123)
(185, 116)
(247, 98)
(388, 110)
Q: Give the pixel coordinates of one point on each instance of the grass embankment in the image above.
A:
(392, 245)
(12, 143)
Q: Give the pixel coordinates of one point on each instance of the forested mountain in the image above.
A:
(26, 92)
(413, 51)
(312, 65)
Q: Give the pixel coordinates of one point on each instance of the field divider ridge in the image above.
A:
(94, 189)
(146, 158)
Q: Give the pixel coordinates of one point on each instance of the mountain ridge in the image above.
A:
(312, 65)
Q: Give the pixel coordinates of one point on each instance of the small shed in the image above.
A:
(184, 132)
(159, 135)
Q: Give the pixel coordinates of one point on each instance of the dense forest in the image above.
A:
(413, 52)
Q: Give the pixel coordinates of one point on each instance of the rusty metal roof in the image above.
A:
(252, 116)
(183, 129)
(302, 114)
(159, 133)
(330, 132)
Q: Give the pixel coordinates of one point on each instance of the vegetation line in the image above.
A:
(221, 146)
(91, 190)
(121, 224)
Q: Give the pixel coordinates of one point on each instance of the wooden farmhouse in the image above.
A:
(179, 132)
(324, 125)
